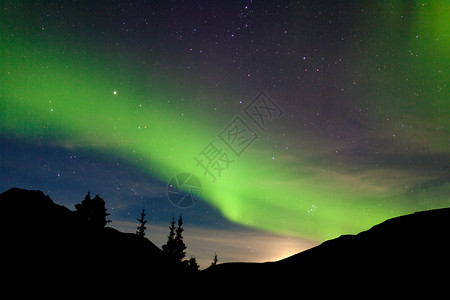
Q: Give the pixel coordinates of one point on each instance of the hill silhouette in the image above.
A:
(413, 248)
(46, 242)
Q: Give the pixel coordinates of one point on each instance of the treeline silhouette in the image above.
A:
(49, 244)
(94, 212)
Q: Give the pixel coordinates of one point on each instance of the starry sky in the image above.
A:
(299, 120)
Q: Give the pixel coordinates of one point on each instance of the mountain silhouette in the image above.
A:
(412, 249)
(48, 242)
(44, 242)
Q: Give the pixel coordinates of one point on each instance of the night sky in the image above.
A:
(284, 123)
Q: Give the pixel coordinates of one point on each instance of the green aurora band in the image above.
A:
(68, 100)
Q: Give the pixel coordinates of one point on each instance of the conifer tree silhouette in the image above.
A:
(141, 227)
(93, 211)
(175, 247)
(191, 265)
(215, 260)
(179, 243)
(169, 246)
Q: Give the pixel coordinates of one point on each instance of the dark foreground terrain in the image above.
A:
(47, 244)
(400, 253)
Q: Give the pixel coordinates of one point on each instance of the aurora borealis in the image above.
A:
(93, 92)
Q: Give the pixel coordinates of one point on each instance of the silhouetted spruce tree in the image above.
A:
(179, 244)
(93, 211)
(191, 265)
(174, 247)
(215, 260)
(141, 227)
(169, 246)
